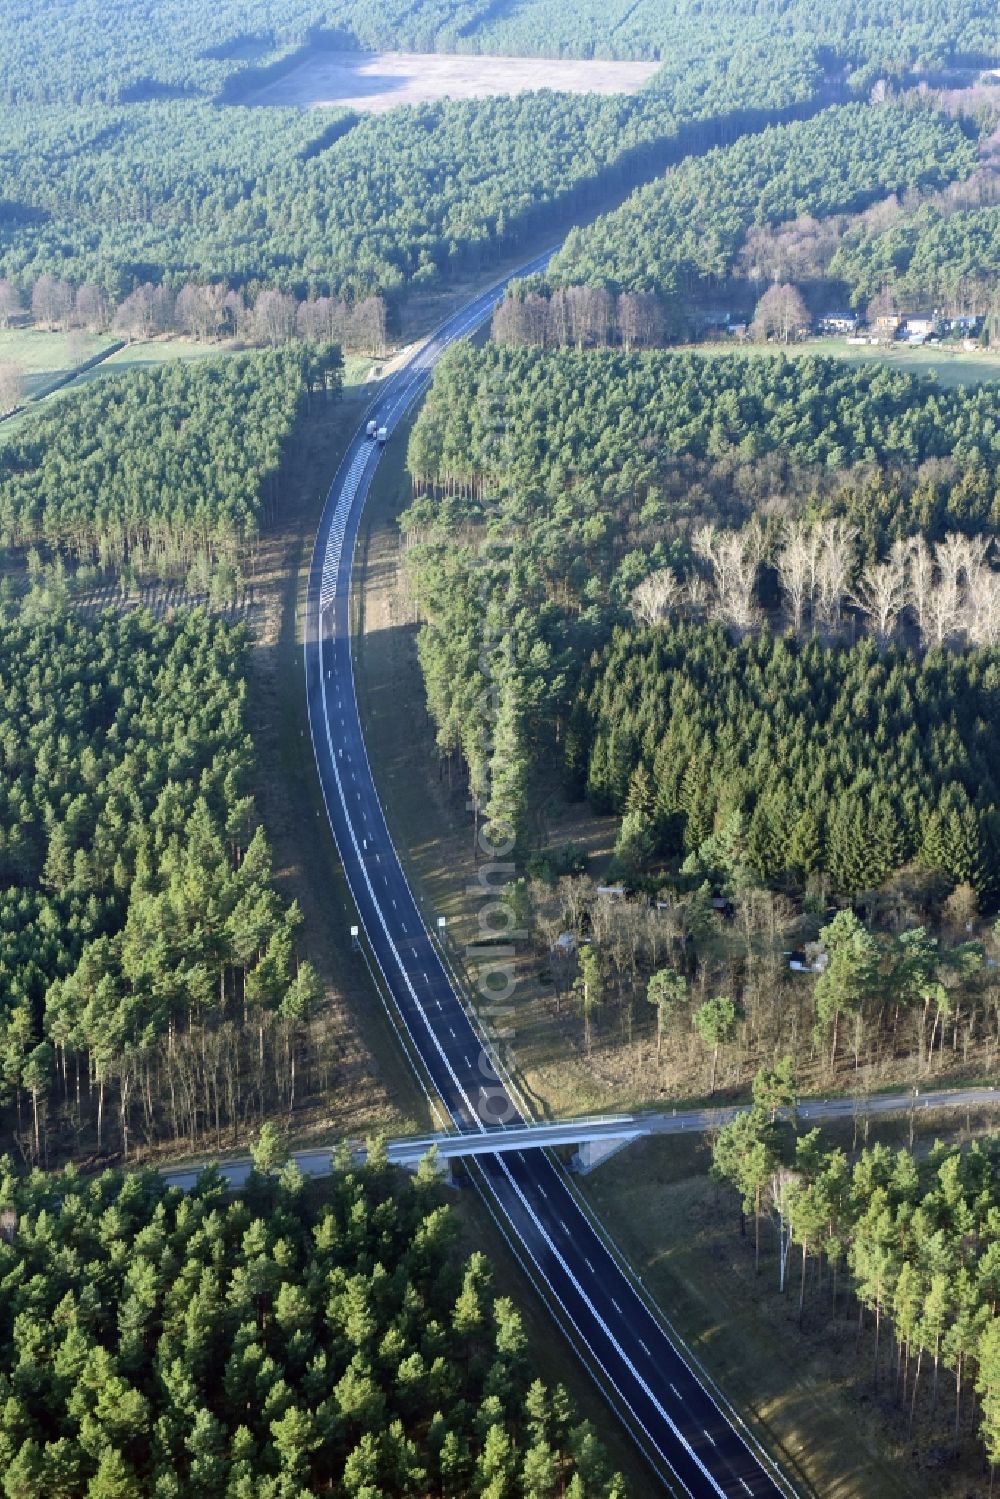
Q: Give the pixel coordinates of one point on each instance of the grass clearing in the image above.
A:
(373, 82)
(951, 367)
(150, 354)
(45, 358)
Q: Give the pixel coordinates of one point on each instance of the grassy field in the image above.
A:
(951, 367)
(808, 1394)
(46, 357)
(372, 82)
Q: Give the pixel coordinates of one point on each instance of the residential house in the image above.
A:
(840, 322)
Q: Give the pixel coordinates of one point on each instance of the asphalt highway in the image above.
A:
(688, 1436)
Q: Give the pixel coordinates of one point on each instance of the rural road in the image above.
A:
(825, 1110)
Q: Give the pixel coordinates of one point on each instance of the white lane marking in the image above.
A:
(746, 1486)
(677, 1392)
(380, 915)
(616, 1306)
(646, 1388)
(709, 1435)
(589, 1265)
(451, 1032)
(644, 1348)
(394, 902)
(541, 1190)
(562, 1225)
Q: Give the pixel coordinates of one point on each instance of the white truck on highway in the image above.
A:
(383, 434)
(372, 429)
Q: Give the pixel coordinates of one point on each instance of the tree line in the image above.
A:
(941, 595)
(346, 208)
(581, 317)
(794, 762)
(171, 471)
(576, 492)
(840, 161)
(200, 311)
(915, 1240)
(274, 1345)
(150, 977)
(177, 50)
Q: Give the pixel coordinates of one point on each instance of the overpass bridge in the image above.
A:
(597, 1137)
(596, 1140)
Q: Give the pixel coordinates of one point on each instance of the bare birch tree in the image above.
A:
(91, 310)
(735, 558)
(983, 607)
(780, 311)
(200, 309)
(640, 320)
(657, 596)
(11, 386)
(366, 326)
(834, 570)
(274, 317)
(921, 581)
(797, 562)
(957, 559)
(882, 590)
(10, 302)
(51, 301)
(697, 597)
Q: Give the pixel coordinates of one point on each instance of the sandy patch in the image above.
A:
(372, 82)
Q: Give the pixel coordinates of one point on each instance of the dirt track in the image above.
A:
(372, 82)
